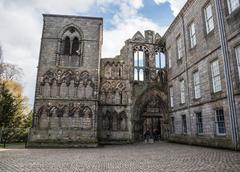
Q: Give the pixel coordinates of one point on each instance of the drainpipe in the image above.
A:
(227, 73)
(187, 77)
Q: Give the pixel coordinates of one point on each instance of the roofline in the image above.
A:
(184, 8)
(71, 16)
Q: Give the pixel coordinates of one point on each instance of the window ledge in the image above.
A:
(182, 104)
(200, 134)
(193, 48)
(233, 14)
(209, 34)
(197, 99)
(216, 94)
(179, 61)
(220, 135)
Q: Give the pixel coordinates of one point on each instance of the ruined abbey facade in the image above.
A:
(174, 83)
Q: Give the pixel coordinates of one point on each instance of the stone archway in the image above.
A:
(150, 111)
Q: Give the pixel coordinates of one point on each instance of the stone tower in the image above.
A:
(66, 98)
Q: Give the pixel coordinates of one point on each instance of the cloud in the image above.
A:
(176, 5)
(21, 26)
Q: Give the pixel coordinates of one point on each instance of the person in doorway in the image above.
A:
(147, 135)
(156, 134)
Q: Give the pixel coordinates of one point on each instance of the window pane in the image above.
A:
(136, 58)
(141, 75)
(237, 52)
(141, 59)
(157, 60)
(169, 59)
(216, 79)
(233, 4)
(163, 60)
(196, 82)
(135, 74)
(182, 91)
(193, 40)
(171, 96)
(220, 123)
(179, 47)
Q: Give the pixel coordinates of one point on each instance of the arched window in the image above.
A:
(160, 60)
(139, 63)
(75, 46)
(67, 46)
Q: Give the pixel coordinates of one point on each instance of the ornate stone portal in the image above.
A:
(82, 100)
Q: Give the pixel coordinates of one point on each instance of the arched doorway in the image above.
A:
(150, 112)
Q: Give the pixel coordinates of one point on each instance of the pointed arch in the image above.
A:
(75, 46)
(66, 46)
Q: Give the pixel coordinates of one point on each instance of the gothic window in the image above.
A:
(70, 48)
(67, 46)
(160, 62)
(75, 46)
(122, 121)
(139, 63)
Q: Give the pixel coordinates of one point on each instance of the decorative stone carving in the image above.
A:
(67, 83)
(114, 121)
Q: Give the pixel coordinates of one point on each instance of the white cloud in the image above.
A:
(176, 5)
(21, 25)
(125, 29)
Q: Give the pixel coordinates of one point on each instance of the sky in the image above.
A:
(21, 26)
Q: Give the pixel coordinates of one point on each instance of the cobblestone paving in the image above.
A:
(127, 158)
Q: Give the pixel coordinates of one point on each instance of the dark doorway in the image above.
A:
(150, 114)
(153, 124)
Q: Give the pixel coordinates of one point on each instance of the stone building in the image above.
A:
(198, 104)
(176, 84)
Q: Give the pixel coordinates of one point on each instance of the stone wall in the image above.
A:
(199, 59)
(66, 100)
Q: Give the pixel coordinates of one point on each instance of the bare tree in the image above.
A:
(10, 72)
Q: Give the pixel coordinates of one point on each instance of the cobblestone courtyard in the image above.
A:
(126, 158)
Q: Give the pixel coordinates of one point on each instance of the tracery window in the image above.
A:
(139, 63)
(67, 46)
(75, 46)
(160, 60)
(70, 48)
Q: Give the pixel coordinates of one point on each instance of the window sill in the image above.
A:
(179, 61)
(220, 135)
(216, 94)
(197, 99)
(182, 104)
(231, 16)
(191, 49)
(209, 35)
(200, 134)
